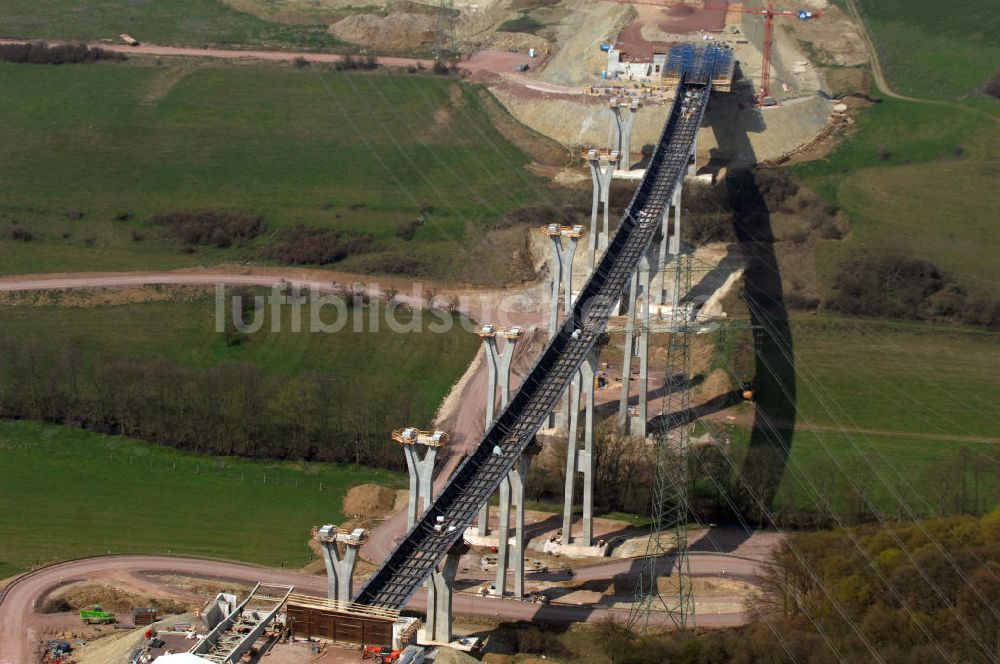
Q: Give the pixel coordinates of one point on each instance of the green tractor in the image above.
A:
(95, 615)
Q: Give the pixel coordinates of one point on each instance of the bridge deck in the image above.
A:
(478, 477)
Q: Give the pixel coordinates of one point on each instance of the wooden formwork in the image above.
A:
(313, 618)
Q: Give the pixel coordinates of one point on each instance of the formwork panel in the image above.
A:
(309, 622)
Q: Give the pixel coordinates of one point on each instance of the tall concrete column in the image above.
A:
(608, 167)
(572, 459)
(671, 245)
(628, 351)
(638, 426)
(421, 485)
(615, 128)
(518, 480)
(490, 348)
(339, 566)
(582, 460)
(440, 585)
(626, 133)
(420, 465)
(503, 536)
(602, 170)
(512, 494)
(498, 367)
(562, 274)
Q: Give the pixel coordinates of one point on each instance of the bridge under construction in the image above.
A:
(441, 527)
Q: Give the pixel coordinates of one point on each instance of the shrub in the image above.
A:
(220, 228)
(20, 234)
(537, 215)
(391, 262)
(39, 53)
(407, 229)
(300, 62)
(350, 62)
(443, 69)
(316, 246)
(992, 87)
(776, 187)
(895, 286)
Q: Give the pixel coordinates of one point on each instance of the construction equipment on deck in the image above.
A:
(764, 97)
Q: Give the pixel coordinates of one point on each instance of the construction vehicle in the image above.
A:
(128, 39)
(381, 654)
(95, 615)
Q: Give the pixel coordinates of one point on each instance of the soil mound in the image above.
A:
(398, 32)
(449, 656)
(110, 597)
(369, 500)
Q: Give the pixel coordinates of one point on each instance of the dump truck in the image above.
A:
(95, 615)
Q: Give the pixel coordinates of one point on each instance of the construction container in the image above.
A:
(144, 616)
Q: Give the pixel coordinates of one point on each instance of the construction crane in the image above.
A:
(767, 12)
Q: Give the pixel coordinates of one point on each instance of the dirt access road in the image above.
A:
(490, 61)
(21, 627)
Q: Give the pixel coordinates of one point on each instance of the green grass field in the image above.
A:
(934, 49)
(420, 367)
(71, 493)
(933, 196)
(187, 22)
(892, 407)
(360, 153)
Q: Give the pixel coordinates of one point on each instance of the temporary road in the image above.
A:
(21, 626)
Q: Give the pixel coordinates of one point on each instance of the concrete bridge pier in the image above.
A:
(421, 485)
(627, 122)
(440, 586)
(498, 372)
(602, 168)
(421, 467)
(633, 420)
(339, 566)
(562, 275)
(512, 495)
(581, 460)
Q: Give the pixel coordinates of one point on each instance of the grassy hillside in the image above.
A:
(159, 370)
(188, 22)
(74, 493)
(359, 154)
(903, 412)
(919, 180)
(183, 331)
(935, 49)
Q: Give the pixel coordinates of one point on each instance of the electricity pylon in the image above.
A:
(667, 548)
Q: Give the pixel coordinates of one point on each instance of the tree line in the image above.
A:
(730, 484)
(894, 592)
(229, 409)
